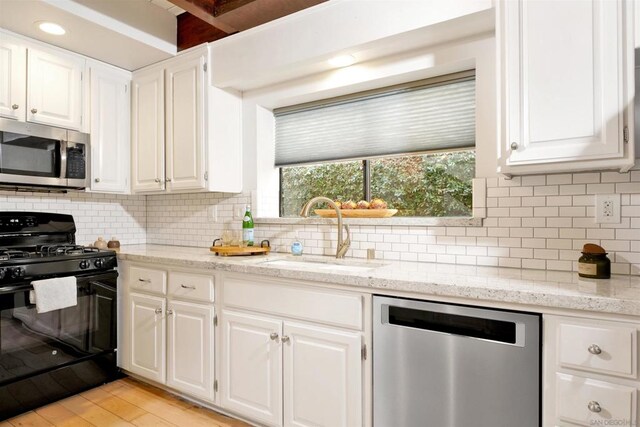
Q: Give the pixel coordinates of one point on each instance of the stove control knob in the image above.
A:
(84, 264)
(2, 273)
(99, 263)
(17, 272)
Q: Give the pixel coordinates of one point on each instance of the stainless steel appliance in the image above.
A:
(447, 365)
(48, 356)
(37, 156)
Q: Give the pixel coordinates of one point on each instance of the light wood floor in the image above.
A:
(125, 402)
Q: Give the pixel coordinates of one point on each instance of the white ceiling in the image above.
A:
(127, 33)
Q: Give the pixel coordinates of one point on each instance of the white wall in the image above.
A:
(258, 133)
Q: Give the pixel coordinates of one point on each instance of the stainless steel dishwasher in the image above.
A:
(444, 365)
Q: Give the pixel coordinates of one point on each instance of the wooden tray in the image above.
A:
(236, 250)
(357, 213)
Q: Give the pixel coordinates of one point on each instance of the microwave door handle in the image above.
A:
(63, 159)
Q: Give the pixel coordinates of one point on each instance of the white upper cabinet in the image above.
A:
(175, 111)
(110, 129)
(54, 84)
(185, 123)
(147, 130)
(13, 83)
(566, 85)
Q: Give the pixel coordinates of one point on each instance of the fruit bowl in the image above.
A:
(357, 213)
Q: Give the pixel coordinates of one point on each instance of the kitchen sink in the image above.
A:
(325, 264)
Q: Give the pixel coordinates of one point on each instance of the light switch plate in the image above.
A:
(607, 208)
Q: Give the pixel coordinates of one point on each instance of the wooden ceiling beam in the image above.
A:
(220, 7)
(204, 9)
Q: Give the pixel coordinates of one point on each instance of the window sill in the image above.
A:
(399, 221)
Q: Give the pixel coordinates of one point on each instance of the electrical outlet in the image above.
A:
(608, 208)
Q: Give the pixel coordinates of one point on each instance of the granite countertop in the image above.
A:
(619, 295)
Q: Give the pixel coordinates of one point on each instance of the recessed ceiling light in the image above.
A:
(51, 28)
(342, 61)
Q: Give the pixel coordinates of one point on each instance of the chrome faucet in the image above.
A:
(343, 244)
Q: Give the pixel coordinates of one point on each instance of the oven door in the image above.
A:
(32, 343)
(32, 154)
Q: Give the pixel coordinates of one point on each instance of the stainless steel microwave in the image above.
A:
(42, 157)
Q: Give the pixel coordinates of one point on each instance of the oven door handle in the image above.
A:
(63, 159)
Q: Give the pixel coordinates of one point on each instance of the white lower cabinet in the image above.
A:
(590, 372)
(322, 376)
(282, 364)
(190, 348)
(147, 339)
(169, 330)
(252, 360)
(287, 373)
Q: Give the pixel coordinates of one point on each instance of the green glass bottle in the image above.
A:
(247, 227)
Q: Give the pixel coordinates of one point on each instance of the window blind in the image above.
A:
(433, 115)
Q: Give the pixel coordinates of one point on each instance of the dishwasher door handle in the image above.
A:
(495, 330)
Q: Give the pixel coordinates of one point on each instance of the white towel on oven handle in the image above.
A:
(54, 294)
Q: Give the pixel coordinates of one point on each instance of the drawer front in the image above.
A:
(608, 349)
(593, 403)
(146, 279)
(306, 303)
(197, 287)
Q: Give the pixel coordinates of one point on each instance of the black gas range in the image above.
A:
(45, 357)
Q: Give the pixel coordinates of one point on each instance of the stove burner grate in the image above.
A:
(59, 250)
(7, 254)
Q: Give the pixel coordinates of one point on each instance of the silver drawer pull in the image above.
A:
(187, 287)
(144, 280)
(594, 406)
(273, 336)
(285, 338)
(594, 349)
(158, 310)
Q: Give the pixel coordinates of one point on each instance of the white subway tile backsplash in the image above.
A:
(559, 179)
(573, 189)
(538, 222)
(615, 177)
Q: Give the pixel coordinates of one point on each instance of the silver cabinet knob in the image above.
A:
(285, 338)
(169, 312)
(594, 406)
(97, 180)
(158, 310)
(514, 145)
(594, 349)
(34, 110)
(15, 106)
(167, 180)
(273, 336)
(157, 180)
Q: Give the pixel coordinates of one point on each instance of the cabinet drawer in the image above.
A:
(146, 279)
(608, 349)
(191, 286)
(579, 399)
(306, 303)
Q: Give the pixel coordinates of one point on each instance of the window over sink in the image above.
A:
(412, 145)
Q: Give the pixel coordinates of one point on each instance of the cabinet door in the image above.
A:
(564, 66)
(147, 130)
(110, 148)
(185, 124)
(55, 89)
(13, 79)
(322, 376)
(190, 348)
(147, 336)
(252, 367)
